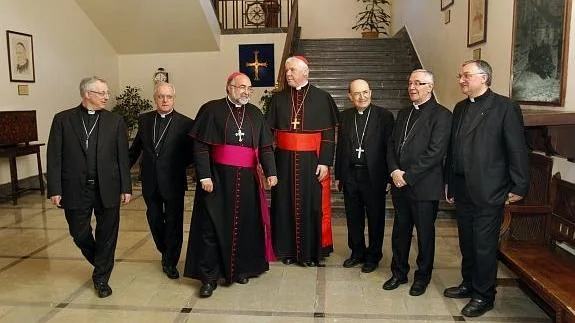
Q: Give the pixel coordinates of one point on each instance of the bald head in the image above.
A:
(359, 94)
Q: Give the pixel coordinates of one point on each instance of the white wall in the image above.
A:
(198, 77)
(443, 47)
(67, 47)
(330, 18)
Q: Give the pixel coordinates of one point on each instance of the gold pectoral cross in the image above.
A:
(256, 64)
(295, 123)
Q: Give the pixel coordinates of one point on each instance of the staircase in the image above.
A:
(384, 63)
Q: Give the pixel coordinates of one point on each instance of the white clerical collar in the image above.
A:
(416, 106)
(163, 115)
(235, 104)
(472, 99)
(91, 112)
(301, 86)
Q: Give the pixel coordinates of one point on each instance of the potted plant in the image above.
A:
(374, 19)
(129, 105)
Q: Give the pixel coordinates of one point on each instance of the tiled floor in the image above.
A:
(43, 278)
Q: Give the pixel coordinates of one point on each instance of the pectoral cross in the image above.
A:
(86, 144)
(239, 134)
(295, 123)
(359, 151)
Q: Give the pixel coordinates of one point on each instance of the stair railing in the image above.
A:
(291, 39)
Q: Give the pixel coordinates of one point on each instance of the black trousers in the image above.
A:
(166, 220)
(99, 248)
(361, 198)
(422, 214)
(479, 228)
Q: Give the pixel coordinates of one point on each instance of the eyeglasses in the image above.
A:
(467, 76)
(165, 97)
(244, 88)
(364, 94)
(416, 83)
(102, 93)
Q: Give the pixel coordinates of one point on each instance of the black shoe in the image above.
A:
(171, 272)
(242, 280)
(288, 261)
(207, 289)
(369, 267)
(476, 307)
(102, 289)
(418, 288)
(352, 262)
(460, 291)
(394, 282)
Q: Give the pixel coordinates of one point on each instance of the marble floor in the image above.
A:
(43, 278)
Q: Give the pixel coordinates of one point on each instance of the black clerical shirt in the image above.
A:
(162, 122)
(90, 122)
(470, 111)
(356, 136)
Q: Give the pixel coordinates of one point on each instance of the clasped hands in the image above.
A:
(397, 177)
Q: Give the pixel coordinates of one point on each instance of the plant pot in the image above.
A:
(369, 34)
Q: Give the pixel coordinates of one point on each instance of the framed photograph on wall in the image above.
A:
(20, 57)
(446, 4)
(476, 22)
(540, 51)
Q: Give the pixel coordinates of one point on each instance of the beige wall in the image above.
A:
(67, 47)
(198, 77)
(442, 48)
(329, 18)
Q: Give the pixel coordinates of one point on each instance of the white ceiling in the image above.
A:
(148, 26)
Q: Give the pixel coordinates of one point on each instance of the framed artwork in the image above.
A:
(446, 4)
(20, 57)
(540, 51)
(477, 53)
(476, 22)
(257, 62)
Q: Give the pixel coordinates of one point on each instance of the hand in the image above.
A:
(448, 199)
(321, 172)
(512, 198)
(56, 200)
(126, 198)
(208, 185)
(272, 181)
(397, 176)
(339, 185)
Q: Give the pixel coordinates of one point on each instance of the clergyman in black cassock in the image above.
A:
(303, 119)
(229, 233)
(165, 147)
(89, 171)
(361, 172)
(415, 158)
(487, 167)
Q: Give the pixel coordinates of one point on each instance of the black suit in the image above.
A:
(68, 176)
(166, 153)
(364, 180)
(417, 147)
(487, 159)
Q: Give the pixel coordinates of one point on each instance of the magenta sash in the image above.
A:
(247, 157)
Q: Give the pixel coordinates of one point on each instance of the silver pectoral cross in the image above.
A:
(295, 123)
(86, 144)
(239, 134)
(359, 151)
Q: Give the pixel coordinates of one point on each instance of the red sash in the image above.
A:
(247, 157)
(311, 142)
